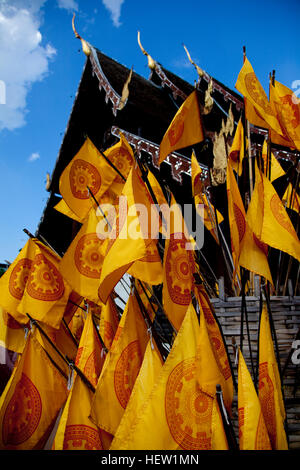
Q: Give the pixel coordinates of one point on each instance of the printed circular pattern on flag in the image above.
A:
(19, 278)
(45, 281)
(177, 127)
(83, 174)
(261, 245)
(93, 366)
(281, 216)
(261, 440)
(22, 414)
(266, 398)
(188, 410)
(81, 437)
(240, 221)
(257, 93)
(290, 110)
(122, 160)
(126, 372)
(87, 256)
(179, 270)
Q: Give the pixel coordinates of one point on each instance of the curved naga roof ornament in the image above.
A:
(117, 101)
(153, 65)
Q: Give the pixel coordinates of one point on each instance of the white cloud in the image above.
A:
(23, 59)
(34, 156)
(114, 6)
(71, 5)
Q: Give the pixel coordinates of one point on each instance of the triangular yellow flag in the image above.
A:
(121, 369)
(82, 262)
(30, 404)
(253, 433)
(249, 86)
(131, 233)
(273, 225)
(149, 372)
(237, 151)
(185, 128)
(76, 431)
(179, 267)
(33, 284)
(270, 394)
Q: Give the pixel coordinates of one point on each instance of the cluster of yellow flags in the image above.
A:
(94, 377)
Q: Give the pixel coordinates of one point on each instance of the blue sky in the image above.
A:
(41, 64)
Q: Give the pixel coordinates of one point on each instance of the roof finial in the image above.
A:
(199, 70)
(151, 62)
(85, 46)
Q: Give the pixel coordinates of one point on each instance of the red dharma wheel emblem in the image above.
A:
(126, 372)
(83, 174)
(122, 160)
(19, 278)
(188, 409)
(22, 414)
(280, 215)
(257, 93)
(87, 256)
(179, 270)
(81, 437)
(45, 281)
(176, 130)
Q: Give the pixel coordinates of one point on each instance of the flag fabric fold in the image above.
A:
(253, 433)
(269, 385)
(30, 404)
(185, 128)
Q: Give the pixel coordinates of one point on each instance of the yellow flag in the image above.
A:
(179, 268)
(130, 236)
(254, 253)
(76, 431)
(206, 211)
(272, 225)
(237, 151)
(82, 262)
(290, 198)
(63, 208)
(269, 393)
(109, 321)
(148, 269)
(33, 284)
(249, 86)
(236, 215)
(149, 372)
(287, 108)
(253, 433)
(185, 128)
(173, 406)
(175, 388)
(121, 156)
(121, 369)
(217, 344)
(31, 401)
(12, 333)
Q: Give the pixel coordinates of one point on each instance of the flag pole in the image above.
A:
(65, 358)
(249, 139)
(228, 428)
